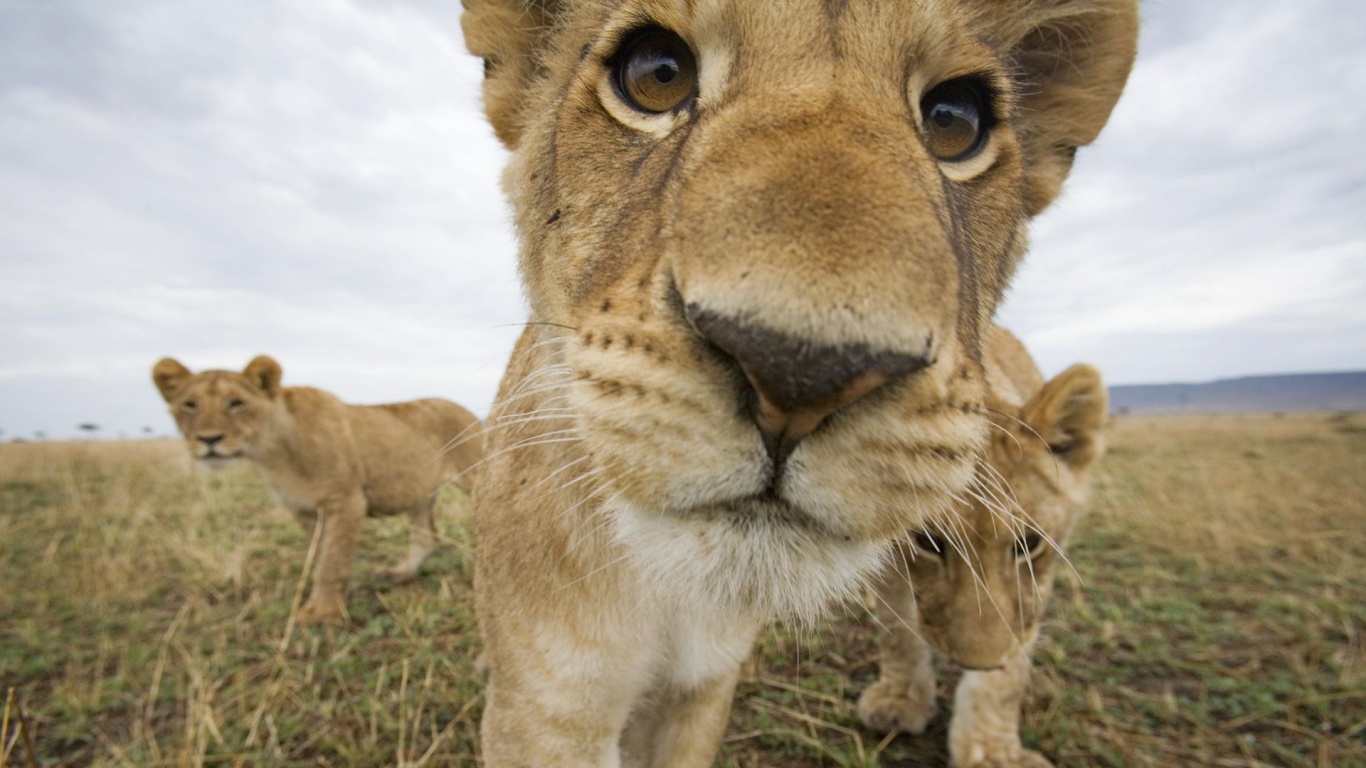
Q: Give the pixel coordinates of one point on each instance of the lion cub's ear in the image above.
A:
(169, 374)
(1072, 58)
(508, 35)
(1069, 413)
(265, 373)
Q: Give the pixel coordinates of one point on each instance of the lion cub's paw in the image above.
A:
(994, 756)
(885, 707)
(322, 612)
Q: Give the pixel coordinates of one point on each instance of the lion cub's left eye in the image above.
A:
(928, 542)
(955, 119)
(655, 71)
(1029, 545)
(236, 405)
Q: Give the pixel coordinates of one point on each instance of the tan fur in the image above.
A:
(327, 462)
(634, 525)
(980, 601)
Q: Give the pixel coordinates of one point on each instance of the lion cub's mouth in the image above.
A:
(218, 460)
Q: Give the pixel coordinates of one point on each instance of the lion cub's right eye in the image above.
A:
(930, 543)
(189, 406)
(956, 119)
(235, 405)
(655, 71)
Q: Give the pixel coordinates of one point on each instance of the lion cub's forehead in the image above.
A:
(218, 385)
(795, 40)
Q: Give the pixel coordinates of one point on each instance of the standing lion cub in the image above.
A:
(328, 462)
(760, 241)
(975, 585)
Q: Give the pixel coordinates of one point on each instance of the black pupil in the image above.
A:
(944, 115)
(666, 71)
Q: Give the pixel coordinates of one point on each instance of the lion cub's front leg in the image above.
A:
(903, 698)
(985, 732)
(341, 520)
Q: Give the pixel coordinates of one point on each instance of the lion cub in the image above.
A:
(975, 587)
(759, 243)
(326, 461)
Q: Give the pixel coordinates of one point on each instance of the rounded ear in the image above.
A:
(1071, 59)
(265, 373)
(1069, 413)
(169, 374)
(509, 35)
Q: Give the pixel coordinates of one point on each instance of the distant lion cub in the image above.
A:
(975, 587)
(326, 461)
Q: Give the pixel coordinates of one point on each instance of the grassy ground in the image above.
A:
(1215, 618)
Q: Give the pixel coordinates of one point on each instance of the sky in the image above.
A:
(316, 181)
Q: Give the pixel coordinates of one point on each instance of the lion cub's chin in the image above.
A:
(218, 463)
(755, 558)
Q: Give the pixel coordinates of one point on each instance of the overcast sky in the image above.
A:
(213, 180)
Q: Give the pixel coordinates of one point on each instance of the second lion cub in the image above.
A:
(330, 463)
(975, 588)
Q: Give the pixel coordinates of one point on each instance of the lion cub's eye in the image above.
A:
(189, 406)
(235, 405)
(930, 543)
(956, 119)
(655, 71)
(1029, 545)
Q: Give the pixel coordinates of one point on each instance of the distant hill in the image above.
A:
(1252, 394)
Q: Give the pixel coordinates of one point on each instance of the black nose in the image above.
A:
(209, 440)
(797, 382)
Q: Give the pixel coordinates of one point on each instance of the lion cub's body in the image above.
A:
(975, 587)
(327, 461)
(760, 242)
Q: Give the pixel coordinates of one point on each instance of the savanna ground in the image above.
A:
(1214, 618)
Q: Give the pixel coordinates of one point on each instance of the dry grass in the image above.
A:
(1215, 618)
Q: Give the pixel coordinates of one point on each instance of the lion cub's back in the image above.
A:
(409, 449)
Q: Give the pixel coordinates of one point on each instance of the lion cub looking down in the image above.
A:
(327, 462)
(975, 586)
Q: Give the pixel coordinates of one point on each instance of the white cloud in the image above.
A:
(1223, 202)
(216, 181)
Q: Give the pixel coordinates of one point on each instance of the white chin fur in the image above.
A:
(750, 563)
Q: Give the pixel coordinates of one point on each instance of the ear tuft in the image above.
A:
(1072, 58)
(168, 374)
(265, 373)
(1069, 413)
(509, 35)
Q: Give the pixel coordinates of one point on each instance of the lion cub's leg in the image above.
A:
(342, 520)
(902, 699)
(421, 541)
(683, 729)
(985, 731)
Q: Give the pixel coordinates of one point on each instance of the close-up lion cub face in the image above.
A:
(760, 240)
(219, 413)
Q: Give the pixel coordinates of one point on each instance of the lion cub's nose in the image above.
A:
(210, 440)
(797, 382)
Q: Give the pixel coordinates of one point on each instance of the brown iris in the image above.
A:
(955, 120)
(656, 71)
